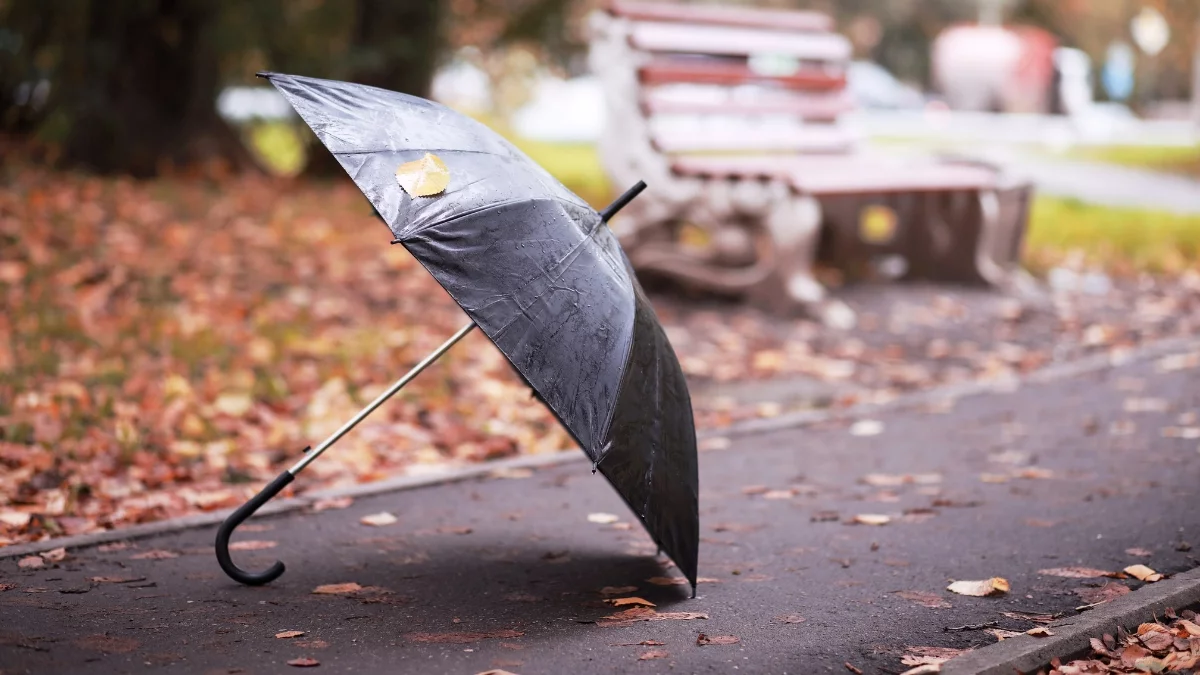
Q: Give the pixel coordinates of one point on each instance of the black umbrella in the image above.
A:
(537, 270)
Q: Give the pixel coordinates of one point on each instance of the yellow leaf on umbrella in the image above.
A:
(424, 177)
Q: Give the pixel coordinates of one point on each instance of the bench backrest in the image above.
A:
(708, 78)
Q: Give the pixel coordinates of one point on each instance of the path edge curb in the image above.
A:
(1026, 654)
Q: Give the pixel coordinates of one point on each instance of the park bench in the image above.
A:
(732, 116)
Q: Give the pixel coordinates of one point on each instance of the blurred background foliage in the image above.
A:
(140, 105)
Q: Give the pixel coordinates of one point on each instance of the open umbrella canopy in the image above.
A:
(536, 268)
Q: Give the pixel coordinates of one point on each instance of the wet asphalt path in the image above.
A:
(506, 572)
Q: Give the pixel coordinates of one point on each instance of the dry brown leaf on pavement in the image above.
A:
(932, 656)
(653, 654)
(289, 634)
(1139, 552)
(332, 503)
(1104, 593)
(622, 602)
(790, 618)
(31, 562)
(157, 554)
(251, 545)
(304, 662)
(979, 589)
(1040, 631)
(1143, 573)
(927, 669)
(930, 600)
(55, 555)
(705, 639)
(337, 589)
(1078, 573)
(1001, 634)
(871, 519)
(378, 519)
(866, 428)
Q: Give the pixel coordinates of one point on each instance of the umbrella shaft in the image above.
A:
(362, 414)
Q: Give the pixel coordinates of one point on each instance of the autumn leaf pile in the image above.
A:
(167, 347)
(1170, 645)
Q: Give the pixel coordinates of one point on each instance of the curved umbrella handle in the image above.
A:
(226, 530)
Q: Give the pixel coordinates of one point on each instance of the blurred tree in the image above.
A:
(132, 83)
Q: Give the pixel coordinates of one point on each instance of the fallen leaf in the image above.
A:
(1191, 627)
(31, 562)
(1104, 593)
(455, 530)
(1143, 573)
(1150, 664)
(897, 480)
(1034, 473)
(679, 616)
(6, 587)
(934, 656)
(786, 493)
(643, 643)
(337, 589)
(1188, 433)
(871, 519)
(927, 669)
(621, 602)
(423, 177)
(1136, 405)
(850, 667)
(55, 555)
(157, 554)
(993, 586)
(790, 618)
(1001, 634)
(1030, 616)
(617, 590)
(653, 654)
(994, 477)
(289, 634)
(378, 519)
(1076, 572)
(15, 519)
(866, 428)
(703, 639)
(304, 662)
(332, 503)
(930, 600)
(251, 545)
(1040, 631)
(1155, 637)
(754, 489)
(602, 518)
(115, 580)
(1139, 552)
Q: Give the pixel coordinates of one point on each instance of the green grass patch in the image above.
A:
(1118, 239)
(1174, 159)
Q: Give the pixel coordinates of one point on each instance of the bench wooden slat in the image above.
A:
(666, 71)
(737, 41)
(749, 100)
(725, 16)
(855, 174)
(677, 136)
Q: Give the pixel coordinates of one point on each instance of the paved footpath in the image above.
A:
(506, 572)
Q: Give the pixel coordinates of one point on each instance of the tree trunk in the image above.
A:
(394, 46)
(138, 88)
